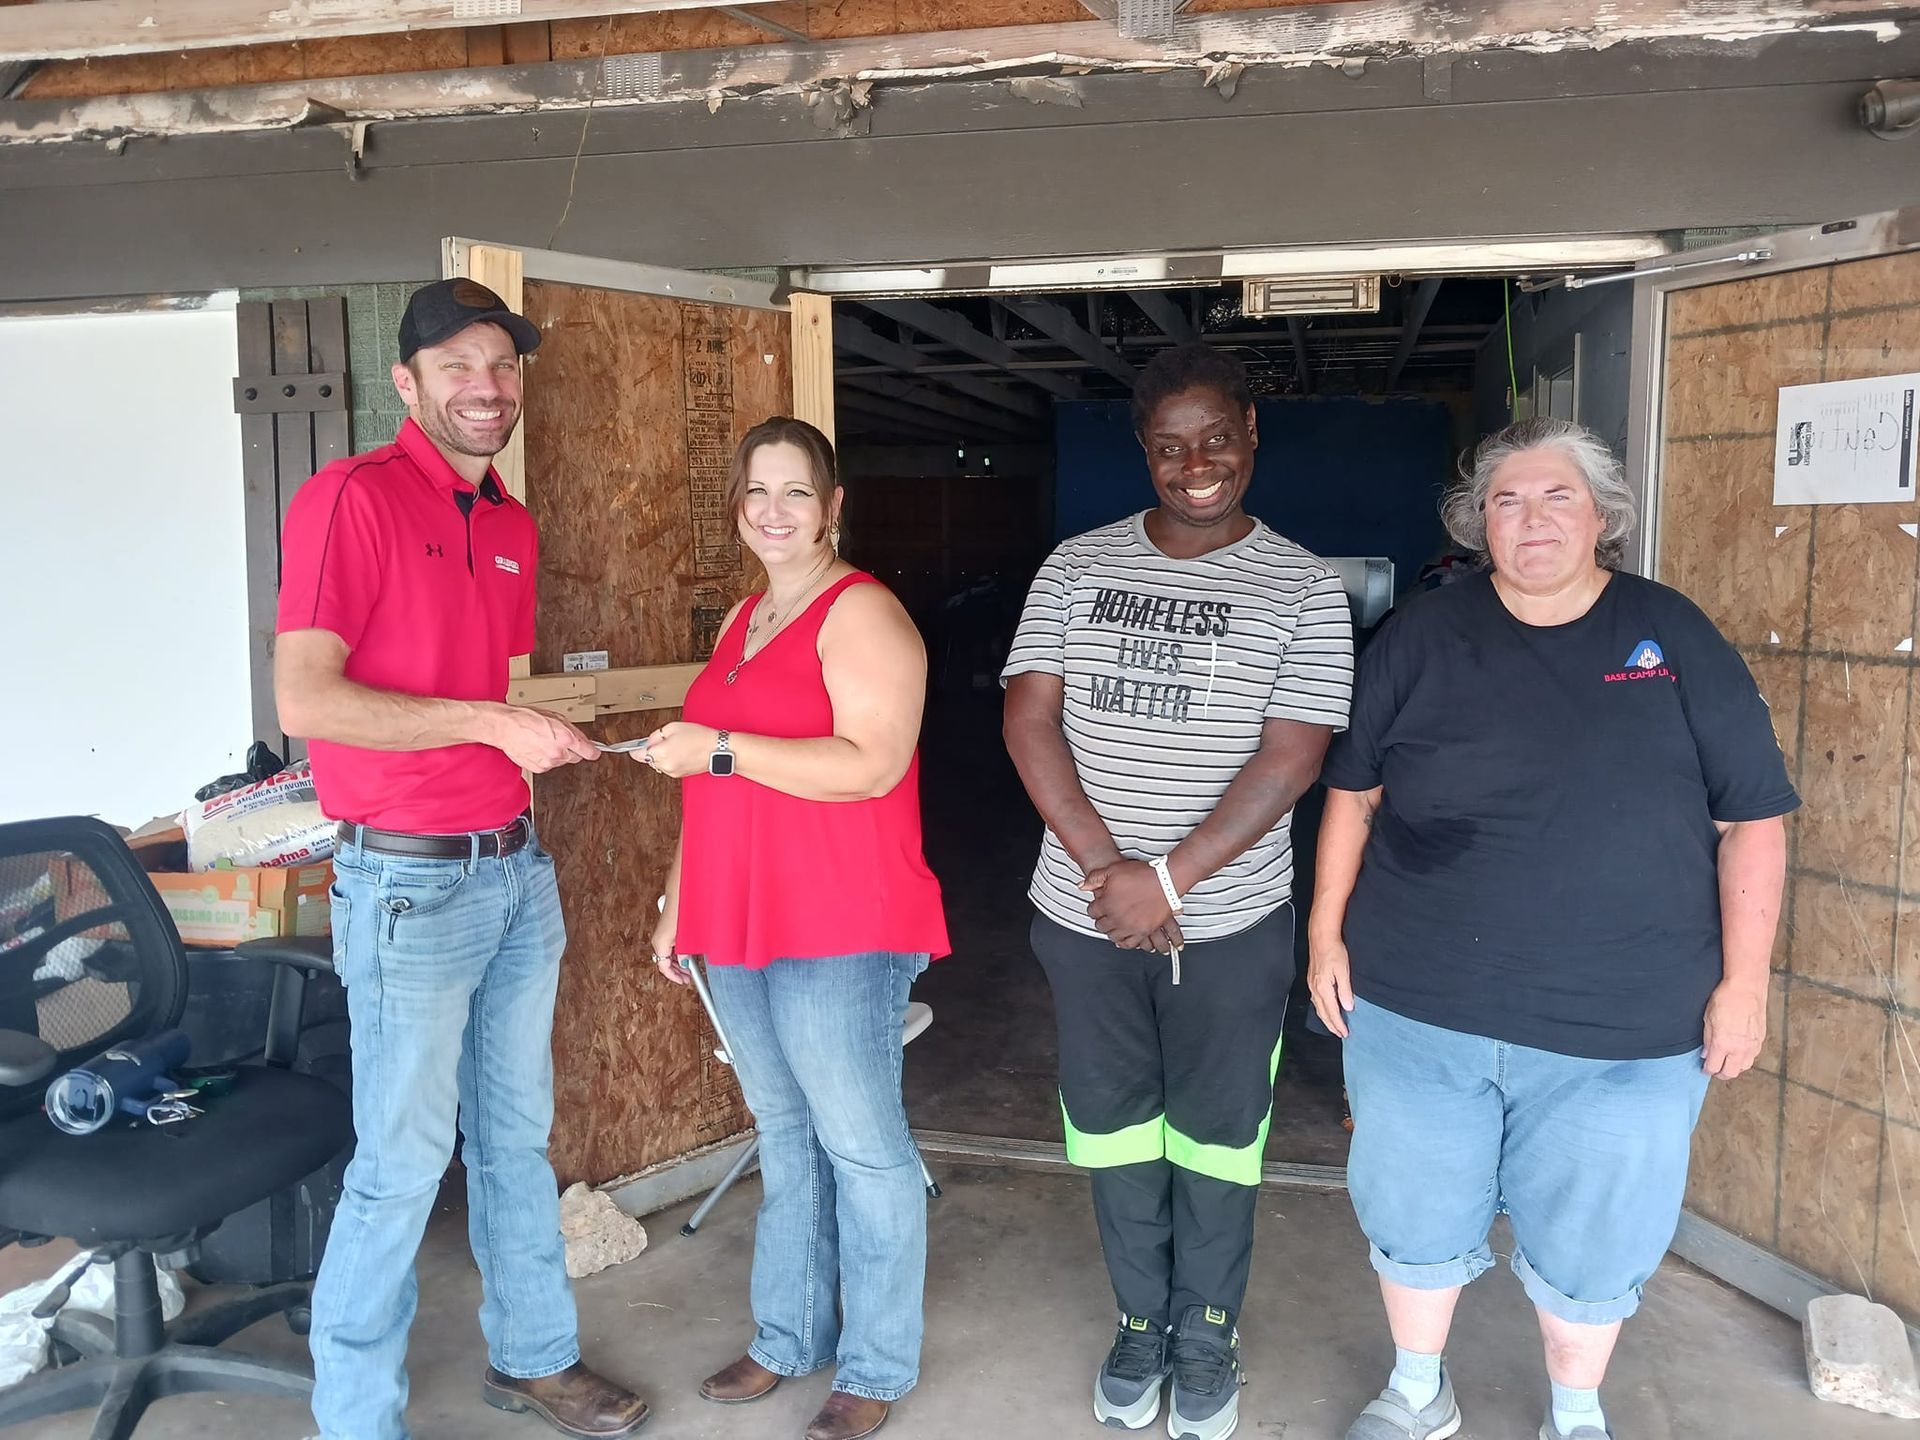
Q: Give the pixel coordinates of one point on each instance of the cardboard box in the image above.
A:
(225, 907)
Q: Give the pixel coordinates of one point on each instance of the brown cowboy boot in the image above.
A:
(745, 1379)
(847, 1417)
(575, 1401)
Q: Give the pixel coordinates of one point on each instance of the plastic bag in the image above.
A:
(277, 821)
(262, 763)
(23, 1339)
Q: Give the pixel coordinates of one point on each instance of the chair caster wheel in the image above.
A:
(300, 1319)
(688, 1231)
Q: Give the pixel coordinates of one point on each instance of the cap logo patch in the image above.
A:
(475, 296)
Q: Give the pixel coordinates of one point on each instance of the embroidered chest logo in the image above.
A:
(435, 552)
(506, 563)
(1647, 662)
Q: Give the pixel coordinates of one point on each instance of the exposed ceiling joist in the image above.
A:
(1417, 309)
(1050, 320)
(1164, 311)
(954, 329)
(896, 420)
(973, 417)
(83, 29)
(857, 339)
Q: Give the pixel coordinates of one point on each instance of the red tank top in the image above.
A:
(767, 876)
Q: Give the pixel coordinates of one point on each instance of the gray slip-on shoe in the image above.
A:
(1391, 1418)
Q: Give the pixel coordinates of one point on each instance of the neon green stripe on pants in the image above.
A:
(1236, 1164)
(1145, 1141)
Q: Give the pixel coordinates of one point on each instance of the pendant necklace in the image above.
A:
(773, 622)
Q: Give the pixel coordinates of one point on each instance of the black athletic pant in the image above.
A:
(1166, 1091)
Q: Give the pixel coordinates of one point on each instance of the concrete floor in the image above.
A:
(1018, 1316)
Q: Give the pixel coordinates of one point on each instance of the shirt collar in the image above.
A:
(427, 458)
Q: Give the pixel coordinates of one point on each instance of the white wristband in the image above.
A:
(1159, 864)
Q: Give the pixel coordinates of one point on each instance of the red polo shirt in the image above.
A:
(430, 583)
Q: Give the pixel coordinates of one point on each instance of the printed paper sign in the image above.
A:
(584, 660)
(1847, 442)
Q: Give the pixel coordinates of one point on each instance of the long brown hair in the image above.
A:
(785, 430)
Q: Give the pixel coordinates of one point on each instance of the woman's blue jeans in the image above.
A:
(840, 1256)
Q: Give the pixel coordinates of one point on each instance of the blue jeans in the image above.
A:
(843, 1218)
(450, 968)
(1587, 1157)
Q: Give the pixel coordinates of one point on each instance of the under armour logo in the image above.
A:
(435, 551)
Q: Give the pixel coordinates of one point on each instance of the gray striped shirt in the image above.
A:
(1171, 667)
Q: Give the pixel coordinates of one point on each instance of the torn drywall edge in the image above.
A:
(1332, 35)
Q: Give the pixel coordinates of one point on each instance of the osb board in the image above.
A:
(1823, 602)
(1829, 1190)
(612, 401)
(1736, 1154)
(258, 64)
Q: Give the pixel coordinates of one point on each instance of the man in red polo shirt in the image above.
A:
(407, 583)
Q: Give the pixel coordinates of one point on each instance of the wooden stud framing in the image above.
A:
(813, 360)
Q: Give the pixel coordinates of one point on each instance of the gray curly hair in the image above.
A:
(1464, 508)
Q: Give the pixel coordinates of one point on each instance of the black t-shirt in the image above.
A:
(1542, 868)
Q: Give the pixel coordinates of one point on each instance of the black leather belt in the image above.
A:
(483, 844)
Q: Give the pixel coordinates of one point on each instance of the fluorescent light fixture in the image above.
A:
(1311, 295)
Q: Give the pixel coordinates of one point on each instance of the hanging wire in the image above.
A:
(1513, 375)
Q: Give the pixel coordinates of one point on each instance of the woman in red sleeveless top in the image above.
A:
(799, 876)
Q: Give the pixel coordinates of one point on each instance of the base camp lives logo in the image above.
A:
(1648, 661)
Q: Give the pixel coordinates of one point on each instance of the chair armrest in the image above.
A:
(298, 956)
(303, 952)
(25, 1058)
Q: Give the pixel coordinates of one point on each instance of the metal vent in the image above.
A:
(1147, 19)
(631, 77)
(1310, 295)
(485, 9)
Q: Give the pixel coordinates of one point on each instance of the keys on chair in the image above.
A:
(172, 1108)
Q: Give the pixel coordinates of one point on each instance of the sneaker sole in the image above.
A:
(1138, 1416)
(1223, 1424)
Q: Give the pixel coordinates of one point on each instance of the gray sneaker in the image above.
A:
(1126, 1392)
(1549, 1431)
(1206, 1376)
(1391, 1418)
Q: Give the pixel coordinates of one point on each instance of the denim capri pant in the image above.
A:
(1587, 1157)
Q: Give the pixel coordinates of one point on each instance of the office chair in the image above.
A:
(89, 958)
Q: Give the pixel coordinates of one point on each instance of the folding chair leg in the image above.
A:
(739, 1168)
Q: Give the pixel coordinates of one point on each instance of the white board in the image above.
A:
(1848, 442)
(122, 563)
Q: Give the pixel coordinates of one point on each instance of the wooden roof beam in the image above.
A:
(857, 339)
(952, 328)
(1050, 320)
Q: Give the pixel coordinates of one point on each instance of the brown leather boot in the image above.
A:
(848, 1417)
(575, 1401)
(745, 1379)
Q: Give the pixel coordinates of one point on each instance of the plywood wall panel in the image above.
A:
(1890, 280)
(1736, 1152)
(1842, 934)
(1728, 384)
(1830, 1190)
(1897, 1258)
(1863, 579)
(1764, 300)
(1855, 760)
(621, 388)
(1837, 1044)
(1724, 547)
(1835, 594)
(845, 19)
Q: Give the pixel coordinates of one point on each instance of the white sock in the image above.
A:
(1416, 1377)
(1573, 1408)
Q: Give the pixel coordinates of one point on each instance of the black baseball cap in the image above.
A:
(443, 309)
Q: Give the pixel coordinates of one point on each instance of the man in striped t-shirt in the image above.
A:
(1170, 694)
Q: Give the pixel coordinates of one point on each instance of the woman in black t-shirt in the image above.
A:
(1549, 877)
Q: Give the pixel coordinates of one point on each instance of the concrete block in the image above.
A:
(598, 1232)
(1858, 1354)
